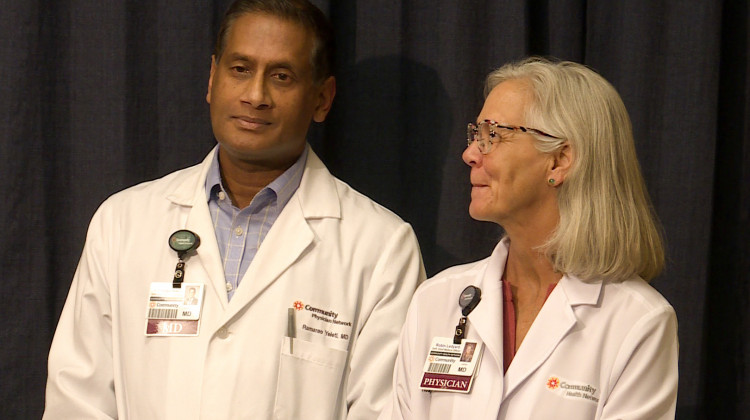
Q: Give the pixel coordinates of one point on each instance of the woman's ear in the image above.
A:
(562, 162)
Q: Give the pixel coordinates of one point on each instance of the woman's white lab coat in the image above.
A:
(595, 351)
(351, 264)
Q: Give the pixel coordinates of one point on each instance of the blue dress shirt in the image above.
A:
(240, 232)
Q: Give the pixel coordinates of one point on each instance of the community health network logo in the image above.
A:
(572, 389)
(298, 305)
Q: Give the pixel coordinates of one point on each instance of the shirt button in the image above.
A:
(238, 231)
(222, 196)
(229, 287)
(223, 332)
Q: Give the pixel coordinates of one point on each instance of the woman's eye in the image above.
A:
(501, 135)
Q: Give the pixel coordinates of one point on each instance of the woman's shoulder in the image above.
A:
(639, 293)
(634, 292)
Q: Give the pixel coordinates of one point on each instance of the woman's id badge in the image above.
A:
(451, 367)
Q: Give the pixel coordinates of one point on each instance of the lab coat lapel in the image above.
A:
(551, 325)
(486, 322)
(291, 234)
(487, 317)
(190, 194)
(285, 242)
(208, 254)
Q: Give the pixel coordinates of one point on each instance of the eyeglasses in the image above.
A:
(486, 132)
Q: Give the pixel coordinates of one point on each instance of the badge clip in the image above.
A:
(183, 241)
(460, 331)
(468, 300)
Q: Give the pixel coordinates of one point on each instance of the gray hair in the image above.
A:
(608, 228)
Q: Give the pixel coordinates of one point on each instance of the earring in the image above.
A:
(551, 181)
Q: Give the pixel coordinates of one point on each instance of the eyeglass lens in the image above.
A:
(480, 133)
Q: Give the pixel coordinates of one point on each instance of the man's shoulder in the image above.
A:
(323, 194)
(353, 201)
(179, 182)
(147, 201)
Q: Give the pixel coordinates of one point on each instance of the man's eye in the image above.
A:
(282, 77)
(239, 69)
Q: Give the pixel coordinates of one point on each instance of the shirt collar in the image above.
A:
(282, 187)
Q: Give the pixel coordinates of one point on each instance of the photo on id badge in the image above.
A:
(468, 353)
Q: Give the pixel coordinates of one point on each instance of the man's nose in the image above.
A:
(256, 92)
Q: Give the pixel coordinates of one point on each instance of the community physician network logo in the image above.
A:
(553, 383)
(318, 313)
(324, 315)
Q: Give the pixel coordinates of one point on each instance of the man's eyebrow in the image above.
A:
(281, 64)
(238, 57)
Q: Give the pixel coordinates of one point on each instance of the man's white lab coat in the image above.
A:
(350, 265)
(595, 351)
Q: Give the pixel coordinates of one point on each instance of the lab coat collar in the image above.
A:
(555, 320)
(317, 194)
(487, 317)
(552, 324)
(316, 197)
(187, 190)
(580, 292)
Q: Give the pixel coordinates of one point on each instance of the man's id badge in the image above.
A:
(174, 311)
(451, 367)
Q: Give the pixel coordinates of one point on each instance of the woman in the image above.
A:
(565, 323)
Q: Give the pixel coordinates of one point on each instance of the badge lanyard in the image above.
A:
(468, 300)
(183, 241)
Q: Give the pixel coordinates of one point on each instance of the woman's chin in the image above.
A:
(480, 214)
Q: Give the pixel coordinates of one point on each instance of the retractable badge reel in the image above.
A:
(468, 300)
(184, 242)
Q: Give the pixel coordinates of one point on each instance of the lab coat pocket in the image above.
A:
(309, 380)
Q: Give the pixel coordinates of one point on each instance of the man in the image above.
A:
(191, 299)
(303, 283)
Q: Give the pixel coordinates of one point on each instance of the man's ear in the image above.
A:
(562, 162)
(211, 78)
(326, 92)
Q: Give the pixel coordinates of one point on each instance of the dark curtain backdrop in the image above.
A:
(97, 96)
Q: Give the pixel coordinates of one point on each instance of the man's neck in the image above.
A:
(243, 181)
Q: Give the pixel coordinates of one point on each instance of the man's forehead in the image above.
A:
(272, 25)
(259, 34)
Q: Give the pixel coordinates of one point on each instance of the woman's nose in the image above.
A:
(471, 155)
